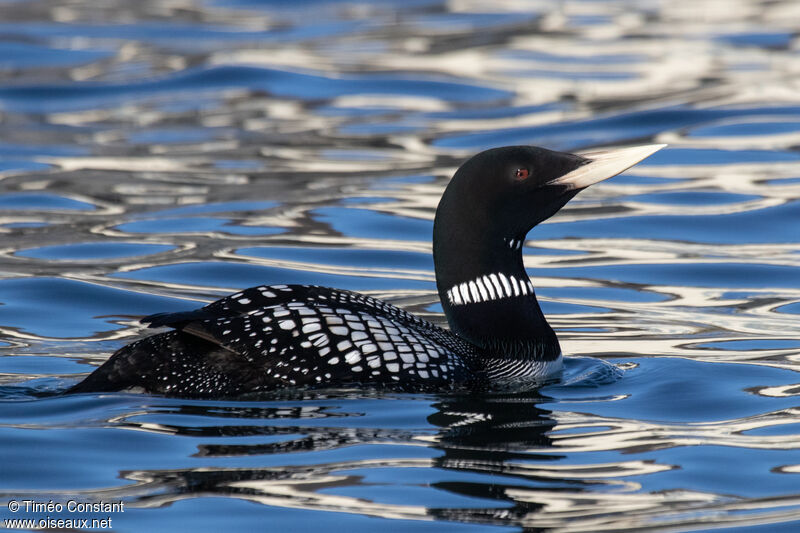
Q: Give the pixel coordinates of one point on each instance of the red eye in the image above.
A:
(521, 174)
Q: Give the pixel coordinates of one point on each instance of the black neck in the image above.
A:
(485, 292)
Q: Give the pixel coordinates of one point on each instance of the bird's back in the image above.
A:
(270, 337)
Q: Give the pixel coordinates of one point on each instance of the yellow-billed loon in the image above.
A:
(299, 336)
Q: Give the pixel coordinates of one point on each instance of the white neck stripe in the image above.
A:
(514, 244)
(487, 288)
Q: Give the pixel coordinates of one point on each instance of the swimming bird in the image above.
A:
(300, 336)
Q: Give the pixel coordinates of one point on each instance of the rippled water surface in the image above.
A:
(155, 155)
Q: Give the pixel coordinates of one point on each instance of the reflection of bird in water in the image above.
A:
(504, 424)
(492, 435)
(489, 438)
(279, 336)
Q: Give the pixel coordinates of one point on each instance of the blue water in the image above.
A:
(156, 156)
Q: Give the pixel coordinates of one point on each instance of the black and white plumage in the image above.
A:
(296, 336)
(271, 337)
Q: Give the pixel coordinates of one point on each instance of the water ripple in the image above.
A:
(155, 156)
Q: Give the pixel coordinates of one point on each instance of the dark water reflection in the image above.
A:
(155, 155)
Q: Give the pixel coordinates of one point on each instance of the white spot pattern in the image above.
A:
(305, 331)
(293, 336)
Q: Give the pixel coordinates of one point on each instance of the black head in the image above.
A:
(506, 191)
(489, 206)
(503, 192)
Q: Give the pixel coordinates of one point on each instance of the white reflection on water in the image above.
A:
(258, 142)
